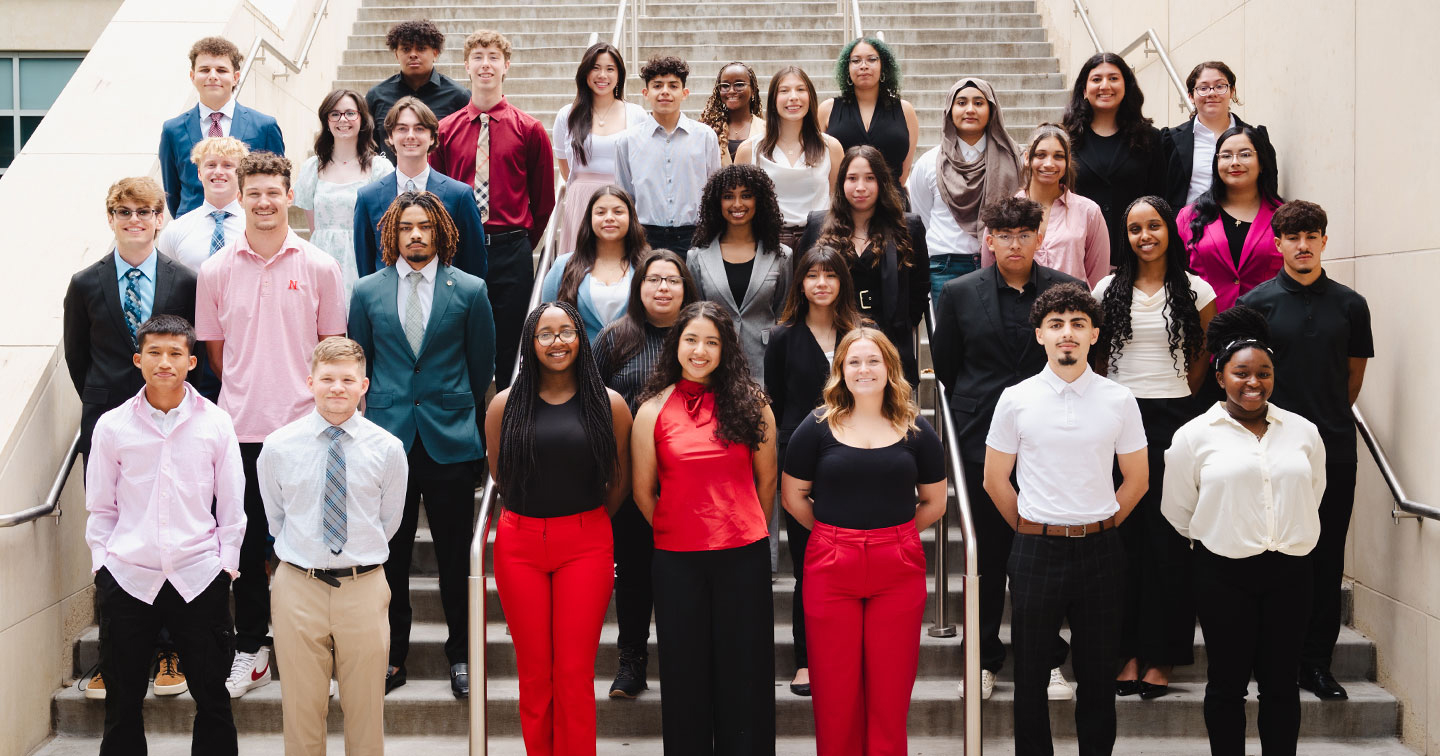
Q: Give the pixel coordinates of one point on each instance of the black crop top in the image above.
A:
(565, 482)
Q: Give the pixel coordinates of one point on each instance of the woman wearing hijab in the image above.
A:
(976, 163)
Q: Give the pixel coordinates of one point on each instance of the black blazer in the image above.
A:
(1113, 185)
(903, 298)
(795, 372)
(1178, 144)
(98, 349)
(974, 358)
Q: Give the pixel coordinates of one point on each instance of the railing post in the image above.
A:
(479, 664)
(942, 626)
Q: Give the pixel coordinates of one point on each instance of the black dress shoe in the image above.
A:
(1127, 687)
(800, 689)
(460, 680)
(1320, 682)
(1151, 690)
(394, 679)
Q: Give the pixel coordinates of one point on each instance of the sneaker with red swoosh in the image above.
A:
(248, 671)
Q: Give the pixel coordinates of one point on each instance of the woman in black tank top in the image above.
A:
(869, 109)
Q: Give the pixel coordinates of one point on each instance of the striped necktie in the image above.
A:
(333, 521)
(414, 315)
(134, 316)
(217, 237)
(482, 168)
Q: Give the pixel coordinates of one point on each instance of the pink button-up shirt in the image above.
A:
(270, 314)
(1076, 242)
(149, 495)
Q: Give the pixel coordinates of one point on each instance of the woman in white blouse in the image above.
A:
(1243, 482)
(1152, 341)
(586, 131)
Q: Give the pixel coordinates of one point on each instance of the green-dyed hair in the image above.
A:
(889, 71)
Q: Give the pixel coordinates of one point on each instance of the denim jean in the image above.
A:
(945, 267)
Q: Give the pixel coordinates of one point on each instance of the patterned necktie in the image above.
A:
(482, 168)
(409, 185)
(131, 305)
(414, 318)
(333, 520)
(215, 125)
(217, 238)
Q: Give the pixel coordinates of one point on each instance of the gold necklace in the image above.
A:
(600, 119)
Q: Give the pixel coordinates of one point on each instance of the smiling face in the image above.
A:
(603, 75)
(344, 119)
(662, 291)
(1248, 379)
(409, 138)
(214, 78)
(559, 354)
(737, 204)
(338, 387)
(1067, 337)
(862, 189)
(1301, 252)
(665, 93)
(821, 286)
(266, 201)
(486, 67)
(1105, 87)
(865, 66)
(1237, 162)
(164, 361)
(1148, 235)
(217, 176)
(609, 218)
(416, 62)
(1048, 162)
(135, 232)
(792, 98)
(699, 349)
(1213, 105)
(417, 236)
(864, 369)
(735, 91)
(970, 112)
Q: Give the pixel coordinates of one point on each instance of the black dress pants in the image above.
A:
(252, 590)
(203, 637)
(1328, 560)
(677, 239)
(716, 628)
(510, 278)
(1054, 579)
(1254, 613)
(634, 599)
(449, 495)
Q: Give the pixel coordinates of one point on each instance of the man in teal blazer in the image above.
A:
(427, 329)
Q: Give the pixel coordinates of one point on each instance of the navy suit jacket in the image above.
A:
(438, 394)
(178, 137)
(375, 198)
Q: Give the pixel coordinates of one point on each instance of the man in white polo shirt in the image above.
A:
(1067, 426)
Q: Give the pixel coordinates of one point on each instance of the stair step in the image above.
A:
(455, 28)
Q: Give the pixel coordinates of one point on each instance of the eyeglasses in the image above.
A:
(1007, 239)
(857, 60)
(736, 86)
(567, 336)
(1246, 155)
(143, 213)
(1219, 89)
(348, 115)
(673, 282)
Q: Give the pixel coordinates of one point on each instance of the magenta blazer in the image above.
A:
(1210, 257)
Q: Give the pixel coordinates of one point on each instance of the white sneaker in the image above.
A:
(248, 671)
(1058, 689)
(334, 689)
(987, 685)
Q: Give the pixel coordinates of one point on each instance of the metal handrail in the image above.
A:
(479, 745)
(851, 12)
(1153, 46)
(52, 500)
(1404, 508)
(261, 43)
(970, 585)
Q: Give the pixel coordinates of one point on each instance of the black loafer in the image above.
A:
(1127, 687)
(1320, 682)
(394, 679)
(800, 689)
(1151, 690)
(460, 680)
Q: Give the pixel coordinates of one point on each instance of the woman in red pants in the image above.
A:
(866, 474)
(558, 446)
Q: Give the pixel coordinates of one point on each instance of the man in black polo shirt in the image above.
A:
(1320, 331)
(416, 45)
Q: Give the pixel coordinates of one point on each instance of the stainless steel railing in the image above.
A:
(52, 500)
(478, 730)
(261, 46)
(1404, 508)
(850, 11)
(1153, 46)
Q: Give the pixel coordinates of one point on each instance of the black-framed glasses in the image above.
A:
(348, 115)
(566, 336)
(1219, 89)
(143, 213)
(673, 282)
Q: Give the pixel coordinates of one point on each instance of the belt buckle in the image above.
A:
(1079, 528)
(864, 297)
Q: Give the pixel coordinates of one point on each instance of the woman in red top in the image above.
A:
(703, 462)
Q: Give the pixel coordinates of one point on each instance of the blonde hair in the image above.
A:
(220, 146)
(487, 38)
(337, 349)
(140, 190)
(898, 407)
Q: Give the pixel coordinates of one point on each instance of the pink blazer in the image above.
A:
(1210, 256)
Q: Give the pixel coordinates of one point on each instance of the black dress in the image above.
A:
(888, 131)
(1112, 174)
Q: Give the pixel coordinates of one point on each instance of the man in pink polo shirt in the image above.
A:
(261, 306)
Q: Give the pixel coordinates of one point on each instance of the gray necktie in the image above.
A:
(409, 185)
(414, 317)
(333, 519)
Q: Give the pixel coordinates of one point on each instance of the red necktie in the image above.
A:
(215, 124)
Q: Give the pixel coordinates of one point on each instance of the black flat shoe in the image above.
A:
(1127, 687)
(1151, 690)
(1322, 684)
(394, 679)
(460, 680)
(800, 689)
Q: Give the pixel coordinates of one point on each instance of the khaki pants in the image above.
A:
(312, 620)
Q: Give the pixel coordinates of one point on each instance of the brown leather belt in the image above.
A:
(1026, 527)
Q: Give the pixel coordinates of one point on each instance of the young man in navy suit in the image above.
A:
(411, 130)
(430, 336)
(215, 72)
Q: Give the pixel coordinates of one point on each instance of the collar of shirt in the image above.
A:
(292, 244)
(421, 181)
(431, 83)
(500, 112)
(143, 408)
(233, 208)
(1029, 285)
(428, 272)
(1218, 415)
(227, 110)
(1295, 287)
(652, 127)
(147, 267)
(1202, 130)
(1059, 385)
(352, 425)
(972, 154)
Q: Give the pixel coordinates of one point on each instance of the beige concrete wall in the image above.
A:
(53, 25)
(1344, 86)
(51, 204)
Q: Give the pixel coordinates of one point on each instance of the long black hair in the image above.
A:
(1186, 336)
(739, 401)
(518, 460)
(579, 120)
(624, 337)
(797, 305)
(765, 224)
(1129, 119)
(886, 224)
(1237, 328)
(1207, 205)
(587, 244)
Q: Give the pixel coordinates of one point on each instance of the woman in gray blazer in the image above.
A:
(738, 260)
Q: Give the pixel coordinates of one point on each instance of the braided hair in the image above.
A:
(446, 239)
(1182, 324)
(765, 224)
(518, 461)
(1237, 328)
(717, 116)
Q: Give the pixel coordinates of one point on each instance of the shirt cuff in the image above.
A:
(229, 558)
(97, 558)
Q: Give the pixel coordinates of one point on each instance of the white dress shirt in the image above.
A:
(187, 238)
(666, 172)
(421, 181)
(1242, 496)
(426, 290)
(1066, 436)
(292, 483)
(943, 235)
(149, 490)
(1146, 365)
(1201, 158)
(227, 116)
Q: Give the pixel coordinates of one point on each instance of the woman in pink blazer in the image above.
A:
(1227, 230)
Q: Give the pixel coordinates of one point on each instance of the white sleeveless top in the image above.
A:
(599, 149)
(799, 189)
(1146, 365)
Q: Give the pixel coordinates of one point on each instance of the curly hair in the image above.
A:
(717, 116)
(665, 65)
(587, 245)
(1063, 298)
(889, 71)
(263, 163)
(445, 241)
(325, 141)
(518, 461)
(1182, 318)
(488, 38)
(1013, 212)
(1207, 205)
(1129, 119)
(797, 305)
(739, 401)
(898, 406)
(1298, 217)
(887, 223)
(580, 109)
(417, 34)
(218, 47)
(625, 336)
(1237, 328)
(765, 224)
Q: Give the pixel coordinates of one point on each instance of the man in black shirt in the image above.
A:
(1320, 331)
(416, 45)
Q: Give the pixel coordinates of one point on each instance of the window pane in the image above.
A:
(7, 140)
(28, 124)
(7, 78)
(41, 80)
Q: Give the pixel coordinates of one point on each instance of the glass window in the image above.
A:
(7, 82)
(41, 80)
(7, 141)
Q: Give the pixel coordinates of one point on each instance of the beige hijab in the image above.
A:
(968, 186)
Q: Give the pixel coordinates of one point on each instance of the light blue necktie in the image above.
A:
(217, 239)
(133, 314)
(333, 521)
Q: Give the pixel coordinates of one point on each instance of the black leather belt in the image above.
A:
(332, 577)
(499, 236)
